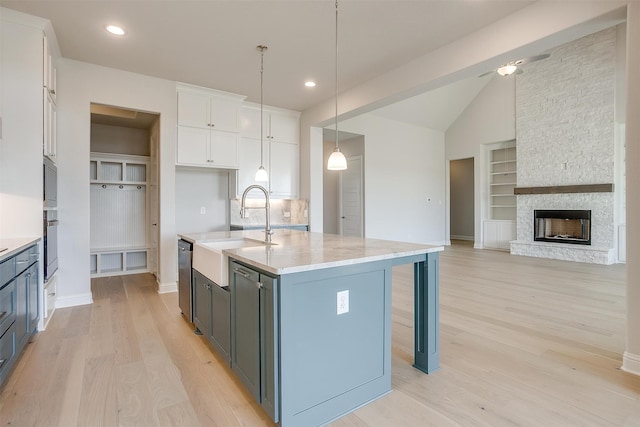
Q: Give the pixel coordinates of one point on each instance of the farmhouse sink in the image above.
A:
(210, 260)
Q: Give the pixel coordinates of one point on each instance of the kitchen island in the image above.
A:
(310, 318)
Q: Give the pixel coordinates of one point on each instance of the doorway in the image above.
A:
(351, 199)
(461, 178)
(353, 147)
(124, 200)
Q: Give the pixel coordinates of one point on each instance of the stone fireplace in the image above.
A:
(566, 153)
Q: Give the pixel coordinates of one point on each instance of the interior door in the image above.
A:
(351, 221)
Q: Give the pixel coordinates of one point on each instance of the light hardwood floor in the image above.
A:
(524, 342)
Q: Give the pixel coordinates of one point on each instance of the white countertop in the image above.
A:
(15, 245)
(295, 251)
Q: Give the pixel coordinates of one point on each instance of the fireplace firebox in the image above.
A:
(562, 226)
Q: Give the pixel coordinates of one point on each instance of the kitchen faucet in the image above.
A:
(267, 230)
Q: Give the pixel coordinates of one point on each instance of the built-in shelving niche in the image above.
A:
(119, 203)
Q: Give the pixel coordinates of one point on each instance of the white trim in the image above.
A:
(478, 246)
(631, 363)
(165, 288)
(74, 300)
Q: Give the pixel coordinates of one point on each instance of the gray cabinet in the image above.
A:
(19, 310)
(254, 334)
(211, 305)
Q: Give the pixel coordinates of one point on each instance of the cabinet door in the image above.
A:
(284, 171)
(33, 308)
(225, 114)
(269, 346)
(193, 146)
(202, 303)
(22, 310)
(248, 164)
(284, 128)
(49, 125)
(250, 123)
(224, 149)
(221, 321)
(194, 109)
(245, 327)
(491, 235)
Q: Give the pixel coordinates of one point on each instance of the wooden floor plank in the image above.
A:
(524, 342)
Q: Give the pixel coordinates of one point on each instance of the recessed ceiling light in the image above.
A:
(114, 29)
(310, 84)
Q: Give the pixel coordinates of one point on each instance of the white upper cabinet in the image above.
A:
(208, 111)
(49, 74)
(281, 134)
(208, 128)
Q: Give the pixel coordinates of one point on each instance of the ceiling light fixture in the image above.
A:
(310, 84)
(507, 70)
(337, 161)
(114, 29)
(261, 174)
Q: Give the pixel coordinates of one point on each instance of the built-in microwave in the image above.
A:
(50, 184)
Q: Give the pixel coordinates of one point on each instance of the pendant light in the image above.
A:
(337, 161)
(261, 173)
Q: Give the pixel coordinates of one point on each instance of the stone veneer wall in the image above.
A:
(565, 136)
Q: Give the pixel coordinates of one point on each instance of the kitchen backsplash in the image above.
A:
(283, 211)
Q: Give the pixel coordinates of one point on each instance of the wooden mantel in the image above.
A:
(561, 189)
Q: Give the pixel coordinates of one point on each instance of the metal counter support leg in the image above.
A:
(426, 314)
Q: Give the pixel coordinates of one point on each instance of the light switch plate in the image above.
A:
(343, 302)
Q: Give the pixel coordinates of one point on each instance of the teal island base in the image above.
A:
(315, 345)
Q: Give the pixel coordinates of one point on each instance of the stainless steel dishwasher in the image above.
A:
(185, 281)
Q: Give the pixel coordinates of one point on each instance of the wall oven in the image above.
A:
(50, 218)
(50, 184)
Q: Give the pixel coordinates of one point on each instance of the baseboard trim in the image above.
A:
(74, 300)
(458, 237)
(631, 363)
(165, 288)
(478, 246)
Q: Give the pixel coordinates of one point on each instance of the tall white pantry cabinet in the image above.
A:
(27, 72)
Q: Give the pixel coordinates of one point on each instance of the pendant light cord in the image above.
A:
(262, 49)
(337, 74)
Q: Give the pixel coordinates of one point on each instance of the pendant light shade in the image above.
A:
(261, 173)
(337, 161)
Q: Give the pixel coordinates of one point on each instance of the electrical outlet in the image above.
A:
(343, 302)
(203, 210)
(286, 214)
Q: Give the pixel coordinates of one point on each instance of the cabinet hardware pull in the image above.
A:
(104, 185)
(52, 223)
(3, 314)
(182, 249)
(121, 186)
(52, 294)
(242, 273)
(22, 262)
(259, 285)
(2, 362)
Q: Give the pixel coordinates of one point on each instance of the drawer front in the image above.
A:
(50, 298)
(25, 258)
(7, 351)
(7, 271)
(7, 306)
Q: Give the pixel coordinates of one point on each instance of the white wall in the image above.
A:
(404, 186)
(21, 148)
(489, 118)
(80, 84)
(119, 140)
(197, 188)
